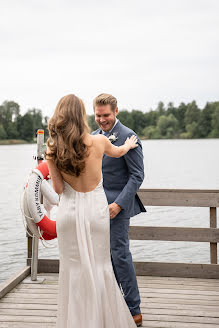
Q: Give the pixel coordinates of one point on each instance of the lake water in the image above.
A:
(190, 164)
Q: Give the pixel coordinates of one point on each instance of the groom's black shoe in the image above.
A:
(138, 320)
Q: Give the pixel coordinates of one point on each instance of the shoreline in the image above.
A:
(14, 142)
(9, 142)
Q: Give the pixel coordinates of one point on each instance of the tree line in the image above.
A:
(165, 122)
(13, 125)
(187, 121)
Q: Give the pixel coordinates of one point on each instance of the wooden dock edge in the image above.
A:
(165, 269)
(12, 282)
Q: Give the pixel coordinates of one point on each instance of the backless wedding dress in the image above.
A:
(89, 296)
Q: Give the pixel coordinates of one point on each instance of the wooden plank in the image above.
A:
(153, 294)
(193, 307)
(182, 315)
(177, 279)
(30, 296)
(179, 287)
(174, 234)
(153, 269)
(150, 324)
(147, 305)
(49, 274)
(160, 289)
(180, 312)
(197, 191)
(24, 312)
(46, 265)
(169, 324)
(181, 283)
(179, 197)
(26, 325)
(177, 269)
(146, 297)
(154, 298)
(30, 319)
(37, 286)
(213, 245)
(170, 291)
(41, 280)
(28, 306)
(9, 284)
(15, 300)
(188, 319)
(34, 291)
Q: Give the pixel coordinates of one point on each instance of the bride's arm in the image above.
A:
(56, 177)
(118, 151)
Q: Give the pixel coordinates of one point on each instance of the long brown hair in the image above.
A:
(67, 129)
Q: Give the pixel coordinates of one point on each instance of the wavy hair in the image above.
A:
(67, 128)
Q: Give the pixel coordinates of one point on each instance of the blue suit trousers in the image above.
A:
(122, 263)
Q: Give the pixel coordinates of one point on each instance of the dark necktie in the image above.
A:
(106, 133)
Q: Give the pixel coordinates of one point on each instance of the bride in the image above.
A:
(89, 296)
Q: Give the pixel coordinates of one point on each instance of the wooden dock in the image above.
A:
(173, 295)
(165, 302)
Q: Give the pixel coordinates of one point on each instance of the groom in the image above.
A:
(122, 178)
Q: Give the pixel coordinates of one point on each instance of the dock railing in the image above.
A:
(168, 197)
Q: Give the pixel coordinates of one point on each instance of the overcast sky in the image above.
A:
(141, 51)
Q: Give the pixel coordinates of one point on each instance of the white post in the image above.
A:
(35, 242)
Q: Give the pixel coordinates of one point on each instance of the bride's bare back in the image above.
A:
(89, 179)
(91, 176)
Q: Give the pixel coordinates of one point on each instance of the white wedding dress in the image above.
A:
(89, 296)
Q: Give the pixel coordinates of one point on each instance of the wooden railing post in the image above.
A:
(213, 224)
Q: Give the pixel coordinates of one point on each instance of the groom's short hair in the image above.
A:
(105, 99)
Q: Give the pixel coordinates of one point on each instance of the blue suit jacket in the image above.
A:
(123, 176)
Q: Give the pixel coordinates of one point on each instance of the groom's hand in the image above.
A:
(114, 209)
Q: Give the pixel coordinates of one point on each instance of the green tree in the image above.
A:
(192, 130)
(45, 127)
(151, 132)
(171, 109)
(25, 126)
(151, 118)
(192, 113)
(160, 108)
(192, 117)
(215, 123)
(3, 134)
(205, 120)
(138, 121)
(9, 112)
(37, 118)
(167, 126)
(91, 122)
(180, 116)
(125, 118)
(12, 131)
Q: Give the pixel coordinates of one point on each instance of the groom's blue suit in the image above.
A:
(122, 178)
